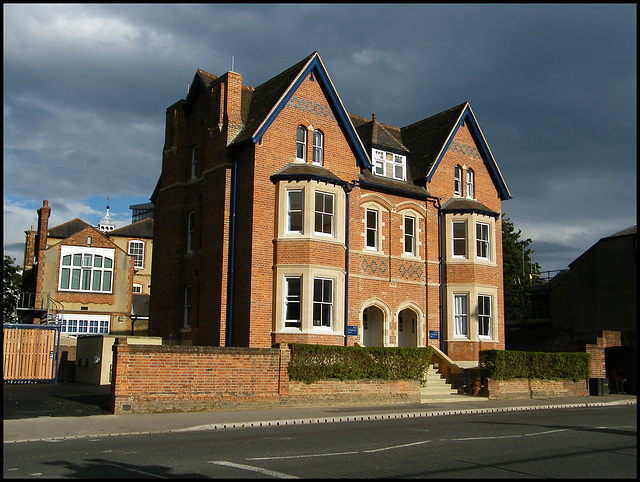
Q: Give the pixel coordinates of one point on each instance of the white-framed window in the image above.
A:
(293, 302)
(457, 181)
(324, 213)
(191, 221)
(301, 143)
(484, 316)
(378, 163)
(322, 303)
(295, 210)
(459, 239)
(461, 315)
(136, 249)
(372, 228)
(136, 288)
(194, 161)
(79, 324)
(399, 167)
(187, 306)
(86, 269)
(410, 235)
(470, 191)
(388, 164)
(318, 147)
(483, 243)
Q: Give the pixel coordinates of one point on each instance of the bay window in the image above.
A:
(293, 295)
(461, 315)
(484, 316)
(322, 302)
(324, 219)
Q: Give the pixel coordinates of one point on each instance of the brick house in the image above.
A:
(282, 218)
(86, 277)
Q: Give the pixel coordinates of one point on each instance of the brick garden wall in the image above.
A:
(163, 378)
(524, 388)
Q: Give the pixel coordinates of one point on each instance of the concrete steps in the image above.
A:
(438, 390)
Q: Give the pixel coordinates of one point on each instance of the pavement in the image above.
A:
(72, 410)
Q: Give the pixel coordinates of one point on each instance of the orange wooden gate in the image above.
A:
(31, 352)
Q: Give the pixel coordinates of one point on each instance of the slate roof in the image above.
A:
(374, 134)
(140, 305)
(426, 139)
(462, 205)
(423, 142)
(295, 171)
(67, 229)
(625, 232)
(392, 186)
(263, 99)
(140, 229)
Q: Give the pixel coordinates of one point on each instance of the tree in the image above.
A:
(518, 272)
(12, 278)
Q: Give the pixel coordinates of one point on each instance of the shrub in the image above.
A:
(314, 362)
(507, 365)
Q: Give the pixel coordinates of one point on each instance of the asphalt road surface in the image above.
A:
(590, 442)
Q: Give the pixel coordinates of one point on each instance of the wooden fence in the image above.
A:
(30, 352)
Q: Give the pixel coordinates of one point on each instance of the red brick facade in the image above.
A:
(224, 253)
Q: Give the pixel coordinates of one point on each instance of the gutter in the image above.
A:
(347, 190)
(232, 245)
(440, 268)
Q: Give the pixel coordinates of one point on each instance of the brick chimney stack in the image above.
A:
(233, 104)
(29, 249)
(43, 226)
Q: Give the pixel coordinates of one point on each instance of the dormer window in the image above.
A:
(301, 143)
(318, 147)
(388, 164)
(457, 183)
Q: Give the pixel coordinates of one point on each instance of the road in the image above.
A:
(593, 442)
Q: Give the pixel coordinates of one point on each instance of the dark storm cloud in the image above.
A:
(553, 88)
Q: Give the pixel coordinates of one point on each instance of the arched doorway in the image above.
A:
(372, 324)
(407, 328)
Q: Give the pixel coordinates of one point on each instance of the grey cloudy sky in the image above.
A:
(553, 88)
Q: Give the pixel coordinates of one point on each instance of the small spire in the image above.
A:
(374, 117)
(106, 224)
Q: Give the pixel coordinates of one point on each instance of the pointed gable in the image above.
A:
(430, 138)
(268, 100)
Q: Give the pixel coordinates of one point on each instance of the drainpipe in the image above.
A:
(440, 267)
(347, 190)
(232, 243)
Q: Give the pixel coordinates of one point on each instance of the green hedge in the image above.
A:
(507, 365)
(314, 362)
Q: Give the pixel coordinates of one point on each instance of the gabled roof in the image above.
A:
(201, 80)
(268, 100)
(67, 229)
(430, 138)
(140, 229)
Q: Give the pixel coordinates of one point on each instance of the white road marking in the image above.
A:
(260, 470)
(303, 456)
(397, 446)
